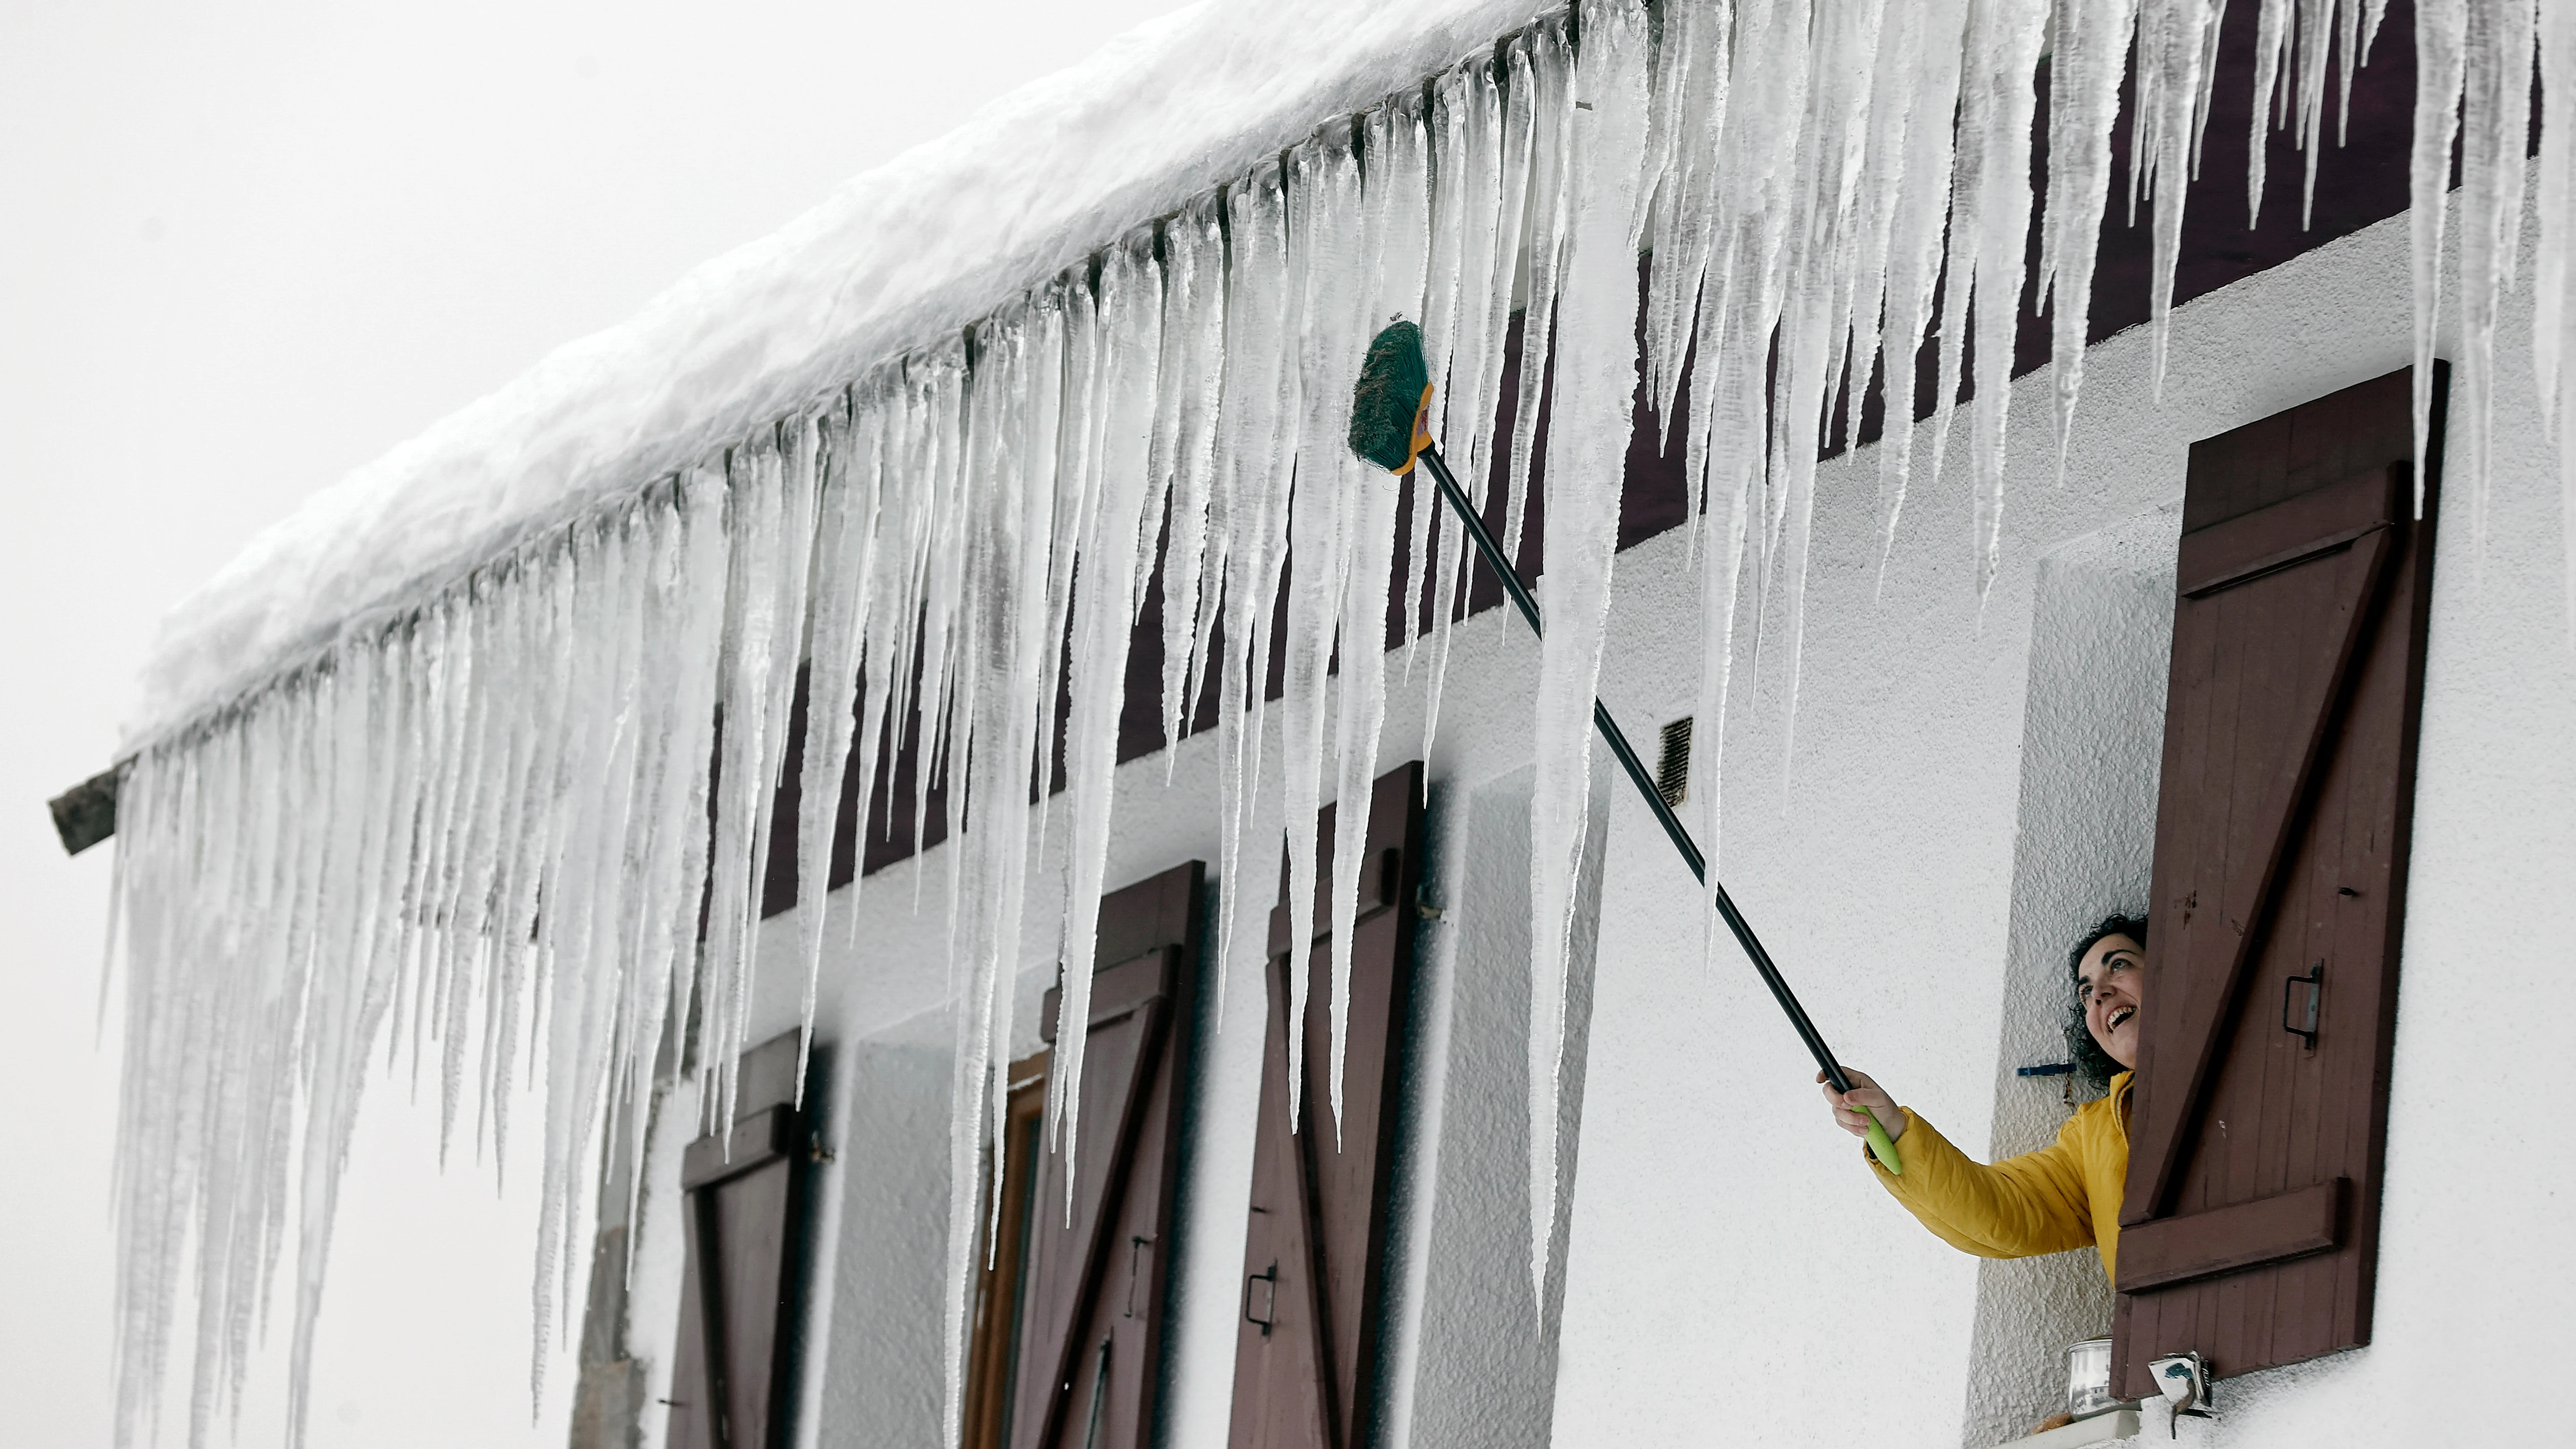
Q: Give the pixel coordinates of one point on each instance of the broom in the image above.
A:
(1391, 427)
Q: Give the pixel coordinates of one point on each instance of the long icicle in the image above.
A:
(1587, 448)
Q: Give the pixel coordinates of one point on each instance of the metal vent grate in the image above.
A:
(1672, 771)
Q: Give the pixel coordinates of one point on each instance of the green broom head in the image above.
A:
(1391, 407)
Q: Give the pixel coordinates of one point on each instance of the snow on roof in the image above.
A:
(925, 243)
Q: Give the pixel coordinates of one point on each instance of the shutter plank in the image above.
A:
(754, 1210)
(1126, 1027)
(741, 1194)
(1101, 1279)
(2176, 1250)
(692, 1420)
(1350, 1175)
(1319, 1217)
(1283, 1381)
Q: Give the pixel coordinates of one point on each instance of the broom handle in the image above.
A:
(1680, 836)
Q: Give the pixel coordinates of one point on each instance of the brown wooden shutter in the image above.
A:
(2250, 1226)
(1314, 1254)
(744, 1196)
(1091, 1320)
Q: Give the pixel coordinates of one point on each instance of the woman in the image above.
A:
(2066, 1194)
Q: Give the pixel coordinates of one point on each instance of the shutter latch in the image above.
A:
(2315, 978)
(1268, 1279)
(1136, 1248)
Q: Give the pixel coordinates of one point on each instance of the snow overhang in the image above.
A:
(894, 259)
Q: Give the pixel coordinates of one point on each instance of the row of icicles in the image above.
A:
(485, 820)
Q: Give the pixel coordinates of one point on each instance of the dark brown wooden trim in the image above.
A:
(755, 1141)
(2291, 531)
(85, 814)
(1116, 991)
(993, 1341)
(2286, 1225)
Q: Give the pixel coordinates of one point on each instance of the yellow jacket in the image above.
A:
(2063, 1196)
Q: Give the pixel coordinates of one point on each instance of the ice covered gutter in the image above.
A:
(426, 769)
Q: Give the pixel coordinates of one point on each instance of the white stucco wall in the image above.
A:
(1735, 1275)
(1968, 786)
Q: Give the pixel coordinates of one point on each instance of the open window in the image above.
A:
(1314, 1254)
(2251, 1222)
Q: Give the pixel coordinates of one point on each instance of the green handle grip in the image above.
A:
(1882, 1146)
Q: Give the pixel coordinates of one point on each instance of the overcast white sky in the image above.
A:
(247, 249)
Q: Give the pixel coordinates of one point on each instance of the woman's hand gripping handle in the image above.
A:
(1863, 1111)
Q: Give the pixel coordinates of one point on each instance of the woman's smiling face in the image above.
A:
(2109, 981)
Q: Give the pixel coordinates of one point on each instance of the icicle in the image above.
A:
(1742, 288)
(546, 646)
(468, 779)
(845, 582)
(2494, 127)
(2441, 62)
(676, 699)
(2272, 37)
(1726, 413)
(589, 947)
(2003, 44)
(1845, 45)
(952, 601)
(1323, 219)
(1688, 127)
(1935, 31)
(2175, 40)
(934, 383)
(1399, 190)
(1587, 451)
(2083, 101)
(1480, 206)
(1455, 194)
(733, 910)
(1542, 65)
(1878, 190)
(1253, 478)
(888, 614)
(1076, 478)
(1394, 230)
(1104, 608)
(2325, 26)
(1010, 496)
(1499, 136)
(690, 607)
(1194, 349)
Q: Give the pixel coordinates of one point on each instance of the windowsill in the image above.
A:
(2100, 1429)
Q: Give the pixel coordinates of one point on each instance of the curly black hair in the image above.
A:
(2092, 1064)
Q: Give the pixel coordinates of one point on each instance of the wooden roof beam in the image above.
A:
(85, 814)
